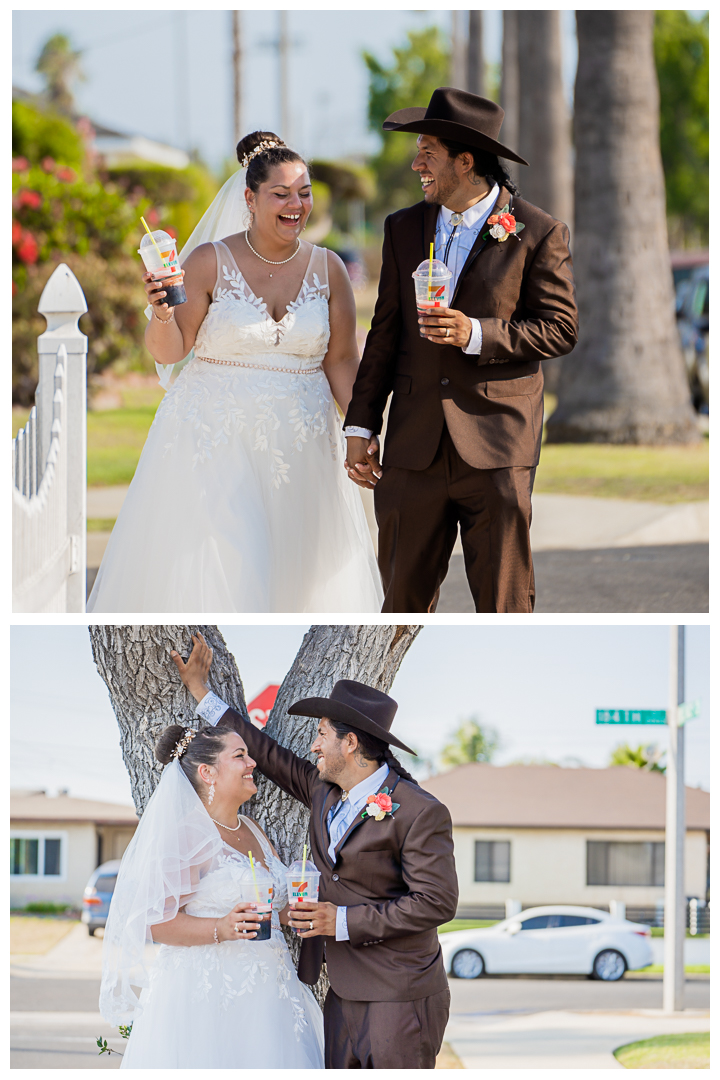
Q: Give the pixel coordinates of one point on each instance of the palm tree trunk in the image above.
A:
(475, 56)
(544, 121)
(147, 695)
(510, 90)
(625, 382)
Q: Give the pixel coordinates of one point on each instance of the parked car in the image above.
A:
(98, 894)
(555, 940)
(693, 305)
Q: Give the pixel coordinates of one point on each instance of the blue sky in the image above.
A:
(538, 685)
(328, 77)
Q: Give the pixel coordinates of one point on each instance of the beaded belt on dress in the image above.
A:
(264, 367)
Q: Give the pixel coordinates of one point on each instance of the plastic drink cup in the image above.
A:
(161, 259)
(433, 285)
(303, 888)
(263, 907)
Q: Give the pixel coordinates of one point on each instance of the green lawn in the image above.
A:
(688, 1051)
(466, 924)
(690, 969)
(666, 474)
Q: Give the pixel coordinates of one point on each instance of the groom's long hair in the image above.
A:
(373, 749)
(485, 164)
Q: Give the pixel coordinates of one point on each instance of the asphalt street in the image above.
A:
(55, 1021)
(662, 578)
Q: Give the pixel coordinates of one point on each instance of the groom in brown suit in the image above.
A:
(465, 425)
(384, 848)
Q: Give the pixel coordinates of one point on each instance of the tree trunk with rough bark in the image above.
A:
(626, 381)
(147, 695)
(544, 120)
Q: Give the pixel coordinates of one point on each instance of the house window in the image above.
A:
(492, 860)
(616, 862)
(37, 855)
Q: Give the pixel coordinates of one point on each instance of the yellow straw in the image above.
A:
(302, 876)
(430, 271)
(252, 867)
(158, 249)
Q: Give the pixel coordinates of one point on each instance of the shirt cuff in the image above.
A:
(341, 928)
(362, 432)
(474, 345)
(211, 708)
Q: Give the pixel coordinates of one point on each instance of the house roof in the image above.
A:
(29, 806)
(545, 796)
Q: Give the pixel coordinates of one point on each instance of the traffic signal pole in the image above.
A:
(674, 941)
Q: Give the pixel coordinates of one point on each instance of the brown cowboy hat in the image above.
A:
(456, 116)
(357, 705)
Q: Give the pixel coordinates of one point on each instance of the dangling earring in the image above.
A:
(248, 219)
(211, 794)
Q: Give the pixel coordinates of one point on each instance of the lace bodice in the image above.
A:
(217, 892)
(238, 326)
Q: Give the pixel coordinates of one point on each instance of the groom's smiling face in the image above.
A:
(331, 762)
(439, 175)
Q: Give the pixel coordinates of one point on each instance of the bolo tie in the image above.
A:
(456, 221)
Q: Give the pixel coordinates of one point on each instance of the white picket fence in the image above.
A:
(50, 462)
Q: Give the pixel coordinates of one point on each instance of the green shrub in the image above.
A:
(38, 134)
(44, 907)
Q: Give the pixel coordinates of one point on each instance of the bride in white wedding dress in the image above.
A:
(214, 997)
(240, 501)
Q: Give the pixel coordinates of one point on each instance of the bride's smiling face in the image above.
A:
(232, 772)
(283, 203)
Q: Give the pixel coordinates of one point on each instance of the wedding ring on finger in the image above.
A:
(447, 331)
(311, 925)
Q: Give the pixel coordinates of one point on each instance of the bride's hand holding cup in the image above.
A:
(156, 294)
(240, 924)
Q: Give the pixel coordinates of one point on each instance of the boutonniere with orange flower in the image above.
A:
(380, 805)
(503, 225)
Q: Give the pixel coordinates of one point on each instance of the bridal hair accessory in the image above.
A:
(266, 144)
(380, 806)
(182, 744)
(211, 792)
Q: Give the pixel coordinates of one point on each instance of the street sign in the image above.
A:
(630, 716)
(689, 710)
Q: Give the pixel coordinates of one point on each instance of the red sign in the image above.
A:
(261, 706)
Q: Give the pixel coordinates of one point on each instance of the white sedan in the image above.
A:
(556, 940)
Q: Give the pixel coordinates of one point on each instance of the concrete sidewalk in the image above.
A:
(560, 1040)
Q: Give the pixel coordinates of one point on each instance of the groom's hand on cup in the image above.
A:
(361, 461)
(313, 920)
(446, 327)
(195, 672)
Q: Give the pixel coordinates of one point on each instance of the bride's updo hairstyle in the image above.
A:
(202, 749)
(260, 152)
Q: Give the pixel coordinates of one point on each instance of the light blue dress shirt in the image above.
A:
(211, 708)
(465, 236)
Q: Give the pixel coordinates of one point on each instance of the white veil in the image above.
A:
(173, 845)
(224, 216)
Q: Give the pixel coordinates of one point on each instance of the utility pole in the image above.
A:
(283, 58)
(674, 940)
(237, 74)
(475, 58)
(459, 51)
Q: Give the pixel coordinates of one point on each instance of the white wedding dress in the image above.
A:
(236, 1005)
(240, 501)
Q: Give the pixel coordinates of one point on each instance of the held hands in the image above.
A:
(448, 327)
(156, 294)
(361, 461)
(239, 924)
(194, 674)
(320, 916)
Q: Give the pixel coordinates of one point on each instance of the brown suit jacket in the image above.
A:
(396, 877)
(522, 291)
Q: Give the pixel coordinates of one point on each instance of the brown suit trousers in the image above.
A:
(418, 514)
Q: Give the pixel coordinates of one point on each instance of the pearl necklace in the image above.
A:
(272, 262)
(230, 828)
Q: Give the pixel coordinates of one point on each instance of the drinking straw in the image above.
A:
(252, 867)
(429, 271)
(153, 239)
(304, 858)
